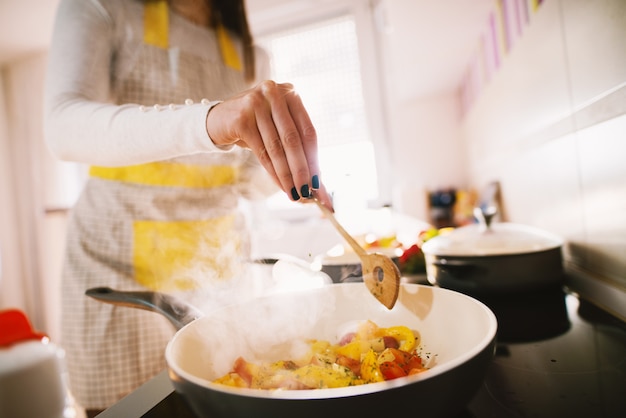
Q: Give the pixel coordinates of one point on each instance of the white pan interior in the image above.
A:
(453, 329)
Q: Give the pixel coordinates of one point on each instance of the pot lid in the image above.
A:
(498, 239)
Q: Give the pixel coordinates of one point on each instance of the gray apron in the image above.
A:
(170, 226)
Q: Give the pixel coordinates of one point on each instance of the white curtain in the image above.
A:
(31, 242)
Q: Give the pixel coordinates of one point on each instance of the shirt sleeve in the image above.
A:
(81, 123)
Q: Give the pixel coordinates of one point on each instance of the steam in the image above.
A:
(212, 272)
(241, 321)
(265, 329)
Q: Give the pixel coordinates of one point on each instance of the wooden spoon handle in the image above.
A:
(355, 245)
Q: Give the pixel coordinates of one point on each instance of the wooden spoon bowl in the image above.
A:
(380, 273)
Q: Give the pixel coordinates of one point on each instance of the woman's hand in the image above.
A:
(271, 120)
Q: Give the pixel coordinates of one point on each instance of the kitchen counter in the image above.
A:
(557, 356)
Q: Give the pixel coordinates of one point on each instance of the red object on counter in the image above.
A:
(412, 260)
(15, 327)
(413, 250)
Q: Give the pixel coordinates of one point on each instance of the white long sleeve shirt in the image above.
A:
(95, 43)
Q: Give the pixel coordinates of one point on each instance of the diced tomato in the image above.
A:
(405, 361)
(241, 368)
(391, 370)
(413, 362)
(354, 365)
(417, 370)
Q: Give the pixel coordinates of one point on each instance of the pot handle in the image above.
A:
(454, 263)
(176, 311)
(459, 269)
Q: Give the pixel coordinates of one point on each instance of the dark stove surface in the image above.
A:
(557, 356)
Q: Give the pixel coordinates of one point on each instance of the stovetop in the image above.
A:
(557, 356)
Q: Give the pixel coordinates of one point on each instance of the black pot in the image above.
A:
(346, 266)
(503, 258)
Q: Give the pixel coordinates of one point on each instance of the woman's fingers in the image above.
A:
(271, 120)
(289, 158)
(308, 138)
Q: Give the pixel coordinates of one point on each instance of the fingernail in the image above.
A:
(304, 191)
(294, 194)
(315, 182)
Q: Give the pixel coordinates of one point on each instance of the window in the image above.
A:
(322, 60)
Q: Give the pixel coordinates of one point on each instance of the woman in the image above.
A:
(156, 97)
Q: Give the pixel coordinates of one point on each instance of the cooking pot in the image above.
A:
(344, 266)
(457, 335)
(494, 258)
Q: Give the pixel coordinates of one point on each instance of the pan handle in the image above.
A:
(176, 311)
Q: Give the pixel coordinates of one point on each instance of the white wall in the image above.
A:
(426, 150)
(550, 128)
(420, 56)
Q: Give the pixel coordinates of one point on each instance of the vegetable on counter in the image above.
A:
(412, 260)
(410, 256)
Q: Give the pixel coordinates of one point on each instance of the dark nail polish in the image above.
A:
(294, 194)
(304, 191)
(315, 182)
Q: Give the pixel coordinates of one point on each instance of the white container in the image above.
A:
(31, 380)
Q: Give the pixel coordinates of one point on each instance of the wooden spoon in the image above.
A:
(380, 273)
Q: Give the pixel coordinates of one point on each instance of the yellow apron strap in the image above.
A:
(227, 47)
(156, 23)
(156, 32)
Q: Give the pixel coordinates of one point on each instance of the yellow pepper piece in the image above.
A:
(319, 348)
(370, 372)
(357, 348)
(321, 377)
(232, 379)
(403, 334)
(320, 352)
(352, 350)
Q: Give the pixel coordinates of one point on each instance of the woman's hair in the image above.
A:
(232, 14)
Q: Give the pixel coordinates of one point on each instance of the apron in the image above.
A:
(169, 226)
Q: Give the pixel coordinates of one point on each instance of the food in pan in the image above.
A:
(370, 354)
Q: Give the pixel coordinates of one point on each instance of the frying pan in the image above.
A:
(457, 339)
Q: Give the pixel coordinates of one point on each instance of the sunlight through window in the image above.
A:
(322, 61)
